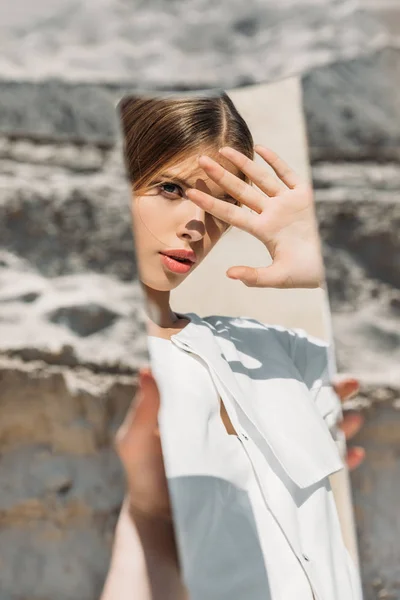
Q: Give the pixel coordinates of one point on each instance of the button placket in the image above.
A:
(218, 384)
(302, 557)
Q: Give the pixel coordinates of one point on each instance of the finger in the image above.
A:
(256, 173)
(234, 186)
(355, 456)
(247, 275)
(346, 387)
(225, 211)
(272, 276)
(283, 171)
(351, 424)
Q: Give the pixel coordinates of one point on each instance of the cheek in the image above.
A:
(146, 209)
(144, 241)
(135, 211)
(136, 221)
(158, 215)
(148, 213)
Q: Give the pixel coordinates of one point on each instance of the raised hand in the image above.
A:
(282, 218)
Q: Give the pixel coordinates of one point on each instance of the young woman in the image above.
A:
(246, 408)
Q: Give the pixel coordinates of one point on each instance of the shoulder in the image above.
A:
(273, 342)
(240, 323)
(250, 331)
(285, 351)
(248, 327)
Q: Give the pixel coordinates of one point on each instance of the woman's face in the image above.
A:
(168, 224)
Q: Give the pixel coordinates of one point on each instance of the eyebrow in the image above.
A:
(184, 183)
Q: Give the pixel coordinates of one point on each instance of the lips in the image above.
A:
(184, 256)
(178, 261)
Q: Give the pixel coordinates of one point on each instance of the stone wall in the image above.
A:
(72, 336)
(71, 341)
(61, 483)
(353, 123)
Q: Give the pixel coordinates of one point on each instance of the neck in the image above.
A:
(158, 309)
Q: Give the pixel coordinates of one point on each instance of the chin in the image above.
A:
(162, 283)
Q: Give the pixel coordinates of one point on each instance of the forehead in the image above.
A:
(188, 169)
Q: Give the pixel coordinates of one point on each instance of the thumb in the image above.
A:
(146, 413)
(142, 417)
(272, 276)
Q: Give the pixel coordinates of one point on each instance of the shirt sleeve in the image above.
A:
(311, 357)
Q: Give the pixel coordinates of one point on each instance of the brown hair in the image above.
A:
(159, 131)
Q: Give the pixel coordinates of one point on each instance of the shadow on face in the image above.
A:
(172, 234)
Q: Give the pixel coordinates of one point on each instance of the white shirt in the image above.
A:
(255, 515)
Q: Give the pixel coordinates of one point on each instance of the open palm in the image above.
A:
(282, 217)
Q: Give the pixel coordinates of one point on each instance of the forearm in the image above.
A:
(144, 564)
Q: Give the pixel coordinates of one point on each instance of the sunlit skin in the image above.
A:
(282, 218)
(165, 218)
(213, 198)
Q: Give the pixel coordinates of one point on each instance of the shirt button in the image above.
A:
(244, 436)
(306, 558)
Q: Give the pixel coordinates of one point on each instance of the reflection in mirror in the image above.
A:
(231, 270)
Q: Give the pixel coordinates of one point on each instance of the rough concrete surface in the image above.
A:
(61, 483)
(71, 328)
(353, 127)
(69, 343)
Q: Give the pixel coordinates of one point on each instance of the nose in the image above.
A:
(193, 228)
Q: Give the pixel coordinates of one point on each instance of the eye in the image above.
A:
(171, 190)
